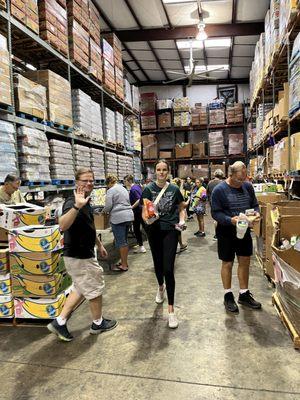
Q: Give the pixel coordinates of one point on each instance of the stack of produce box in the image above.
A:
(38, 277)
(199, 115)
(95, 61)
(33, 154)
(58, 96)
(216, 143)
(61, 160)
(30, 97)
(234, 114)
(54, 24)
(119, 121)
(110, 126)
(26, 11)
(82, 113)
(181, 107)
(111, 163)
(108, 77)
(97, 163)
(79, 38)
(6, 299)
(82, 156)
(115, 43)
(8, 150)
(96, 115)
(148, 108)
(5, 84)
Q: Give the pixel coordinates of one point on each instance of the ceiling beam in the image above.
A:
(233, 21)
(184, 32)
(148, 42)
(112, 28)
(200, 82)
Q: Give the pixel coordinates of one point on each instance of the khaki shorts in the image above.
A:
(87, 276)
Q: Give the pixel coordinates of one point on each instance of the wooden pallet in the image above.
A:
(31, 117)
(286, 322)
(24, 322)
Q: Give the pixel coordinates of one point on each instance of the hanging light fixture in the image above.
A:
(201, 35)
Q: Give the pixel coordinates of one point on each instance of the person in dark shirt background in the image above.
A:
(218, 177)
(230, 198)
(135, 194)
(77, 223)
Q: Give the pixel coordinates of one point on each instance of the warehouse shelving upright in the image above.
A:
(25, 47)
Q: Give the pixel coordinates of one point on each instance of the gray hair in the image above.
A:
(236, 167)
(219, 173)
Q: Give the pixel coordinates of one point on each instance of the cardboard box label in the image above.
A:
(39, 308)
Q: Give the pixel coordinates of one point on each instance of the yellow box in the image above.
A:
(23, 214)
(35, 239)
(4, 264)
(6, 307)
(36, 263)
(46, 286)
(39, 308)
(5, 285)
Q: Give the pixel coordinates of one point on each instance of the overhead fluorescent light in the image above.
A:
(186, 44)
(224, 42)
(223, 66)
(203, 68)
(178, 1)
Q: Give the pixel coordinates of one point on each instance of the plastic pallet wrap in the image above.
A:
(97, 130)
(5, 92)
(34, 163)
(110, 125)
(119, 121)
(82, 156)
(82, 113)
(137, 168)
(216, 143)
(8, 163)
(61, 160)
(111, 163)
(236, 143)
(97, 163)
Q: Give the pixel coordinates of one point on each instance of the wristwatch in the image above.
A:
(76, 208)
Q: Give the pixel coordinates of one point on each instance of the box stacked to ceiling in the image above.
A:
(26, 11)
(33, 151)
(148, 111)
(8, 150)
(216, 113)
(135, 98)
(108, 77)
(58, 96)
(61, 160)
(5, 84)
(79, 38)
(128, 136)
(116, 45)
(97, 163)
(54, 24)
(95, 60)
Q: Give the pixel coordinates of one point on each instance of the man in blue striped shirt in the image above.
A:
(229, 199)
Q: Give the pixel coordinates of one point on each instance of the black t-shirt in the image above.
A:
(167, 205)
(80, 238)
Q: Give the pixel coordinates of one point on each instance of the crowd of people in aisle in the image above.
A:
(160, 208)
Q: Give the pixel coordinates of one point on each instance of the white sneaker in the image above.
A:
(173, 321)
(139, 249)
(160, 295)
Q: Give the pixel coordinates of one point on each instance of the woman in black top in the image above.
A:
(162, 234)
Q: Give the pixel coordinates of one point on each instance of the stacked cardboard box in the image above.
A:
(214, 167)
(30, 97)
(127, 93)
(137, 168)
(125, 166)
(96, 116)
(54, 24)
(97, 163)
(295, 152)
(236, 143)
(111, 163)
(5, 83)
(128, 136)
(79, 44)
(116, 45)
(136, 133)
(183, 150)
(164, 120)
(182, 119)
(234, 114)
(217, 117)
(119, 89)
(3, 4)
(95, 61)
(150, 148)
(110, 126)
(58, 95)
(135, 98)
(199, 115)
(108, 77)
(148, 102)
(26, 11)
(94, 22)
(216, 143)
(200, 150)
(200, 171)
(181, 107)
(61, 160)
(8, 163)
(280, 157)
(33, 151)
(119, 124)
(148, 120)
(82, 113)
(181, 104)
(184, 171)
(79, 9)
(288, 8)
(82, 156)
(164, 104)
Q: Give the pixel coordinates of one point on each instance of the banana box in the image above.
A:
(45, 286)
(23, 214)
(5, 285)
(36, 263)
(4, 264)
(3, 237)
(35, 239)
(6, 307)
(39, 308)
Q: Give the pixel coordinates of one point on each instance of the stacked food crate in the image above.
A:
(82, 113)
(54, 24)
(8, 150)
(110, 126)
(127, 93)
(137, 168)
(61, 160)
(181, 107)
(116, 45)
(111, 163)
(216, 143)
(128, 136)
(96, 115)
(199, 115)
(148, 108)
(235, 143)
(5, 85)
(82, 156)
(119, 123)
(58, 96)
(164, 113)
(33, 151)
(234, 113)
(135, 98)
(26, 11)
(136, 133)
(108, 77)
(97, 163)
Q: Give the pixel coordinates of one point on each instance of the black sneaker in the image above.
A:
(60, 330)
(106, 325)
(247, 299)
(197, 233)
(202, 234)
(230, 303)
(215, 237)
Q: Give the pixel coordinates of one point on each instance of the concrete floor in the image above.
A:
(212, 355)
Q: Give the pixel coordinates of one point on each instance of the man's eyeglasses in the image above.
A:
(86, 181)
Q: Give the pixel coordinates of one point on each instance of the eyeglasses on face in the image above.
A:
(86, 180)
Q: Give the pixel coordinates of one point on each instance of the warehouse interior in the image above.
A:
(112, 87)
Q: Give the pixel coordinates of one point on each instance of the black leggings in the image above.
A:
(138, 221)
(163, 246)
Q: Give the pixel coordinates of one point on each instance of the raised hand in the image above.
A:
(80, 199)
